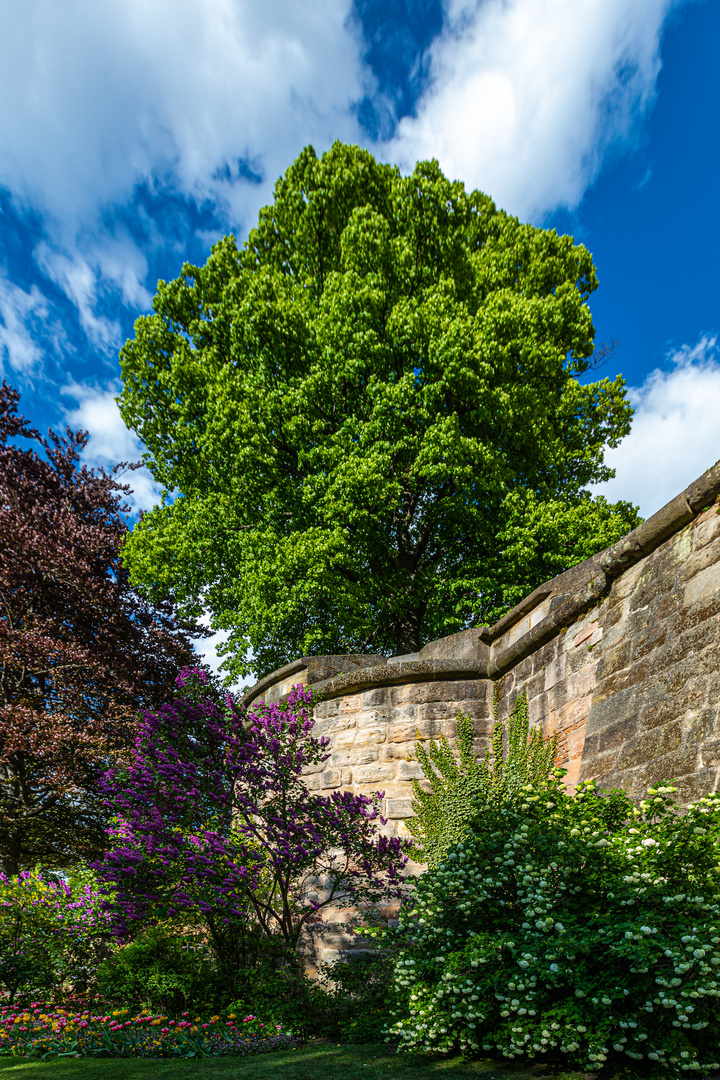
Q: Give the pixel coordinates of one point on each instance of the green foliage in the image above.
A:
(363, 409)
(359, 996)
(161, 968)
(580, 929)
(53, 932)
(464, 785)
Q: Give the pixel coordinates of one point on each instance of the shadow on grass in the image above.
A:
(313, 1062)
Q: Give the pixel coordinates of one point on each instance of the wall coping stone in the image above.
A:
(474, 654)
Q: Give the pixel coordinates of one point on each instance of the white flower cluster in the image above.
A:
(554, 930)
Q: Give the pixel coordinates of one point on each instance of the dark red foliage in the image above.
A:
(81, 653)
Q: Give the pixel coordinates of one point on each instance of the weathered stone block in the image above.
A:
(399, 808)
(672, 706)
(650, 746)
(648, 640)
(373, 774)
(341, 740)
(670, 767)
(706, 528)
(696, 785)
(555, 672)
(702, 586)
(331, 778)
(363, 755)
(710, 753)
(409, 770)
(614, 659)
(368, 736)
(379, 696)
(333, 724)
(425, 729)
(612, 710)
(396, 751)
(437, 710)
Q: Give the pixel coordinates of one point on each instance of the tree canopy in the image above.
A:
(372, 416)
(80, 651)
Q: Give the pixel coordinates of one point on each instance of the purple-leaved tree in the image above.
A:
(213, 822)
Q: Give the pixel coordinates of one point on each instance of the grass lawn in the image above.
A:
(319, 1062)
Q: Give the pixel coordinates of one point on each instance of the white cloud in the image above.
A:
(527, 95)
(20, 311)
(97, 97)
(79, 282)
(676, 430)
(110, 441)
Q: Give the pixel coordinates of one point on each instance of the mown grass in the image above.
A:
(314, 1062)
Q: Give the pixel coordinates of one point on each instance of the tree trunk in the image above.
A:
(408, 638)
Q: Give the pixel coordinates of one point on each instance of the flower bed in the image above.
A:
(47, 1031)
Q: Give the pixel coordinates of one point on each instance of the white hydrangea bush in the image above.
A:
(582, 929)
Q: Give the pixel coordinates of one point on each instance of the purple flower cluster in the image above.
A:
(213, 817)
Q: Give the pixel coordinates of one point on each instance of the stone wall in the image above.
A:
(620, 656)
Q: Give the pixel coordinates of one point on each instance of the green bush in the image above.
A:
(280, 992)
(359, 996)
(461, 782)
(583, 929)
(161, 968)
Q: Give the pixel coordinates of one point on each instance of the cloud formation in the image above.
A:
(109, 112)
(97, 97)
(110, 441)
(205, 99)
(19, 312)
(676, 432)
(527, 96)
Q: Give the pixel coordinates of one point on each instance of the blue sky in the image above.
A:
(133, 134)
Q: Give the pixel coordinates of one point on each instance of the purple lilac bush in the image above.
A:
(213, 821)
(47, 929)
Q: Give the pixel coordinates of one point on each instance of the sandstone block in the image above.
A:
(397, 751)
(692, 667)
(555, 672)
(325, 709)
(673, 706)
(614, 659)
(612, 710)
(426, 729)
(706, 528)
(332, 724)
(331, 778)
(373, 774)
(710, 753)
(585, 634)
(399, 808)
(696, 785)
(437, 710)
(650, 746)
(363, 755)
(704, 585)
(707, 556)
(409, 770)
(378, 696)
(599, 768)
(341, 740)
(670, 767)
(370, 736)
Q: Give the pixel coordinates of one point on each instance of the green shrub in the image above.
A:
(462, 783)
(161, 968)
(359, 996)
(583, 929)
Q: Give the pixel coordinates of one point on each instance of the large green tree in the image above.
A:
(373, 416)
